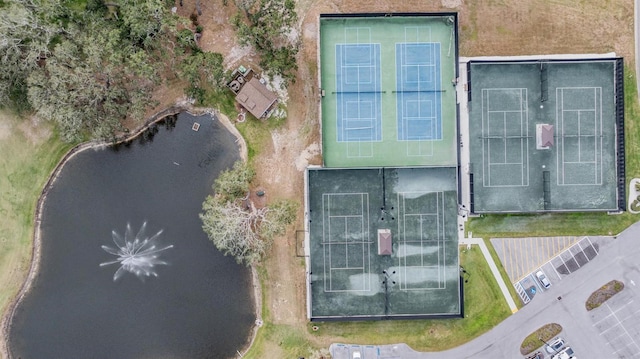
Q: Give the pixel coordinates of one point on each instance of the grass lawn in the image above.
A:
(574, 224)
(485, 307)
(25, 165)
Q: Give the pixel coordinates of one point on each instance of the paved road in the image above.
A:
(619, 258)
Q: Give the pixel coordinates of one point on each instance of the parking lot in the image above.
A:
(617, 323)
(556, 257)
(352, 351)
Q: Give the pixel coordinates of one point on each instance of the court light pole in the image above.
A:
(464, 271)
(385, 282)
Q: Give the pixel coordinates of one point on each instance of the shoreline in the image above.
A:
(34, 266)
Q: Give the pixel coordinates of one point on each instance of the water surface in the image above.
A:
(198, 306)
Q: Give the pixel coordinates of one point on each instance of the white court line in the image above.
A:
(486, 133)
(417, 36)
(414, 33)
(439, 242)
(326, 208)
(365, 40)
(597, 135)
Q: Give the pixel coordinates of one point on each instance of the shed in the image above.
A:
(544, 136)
(385, 246)
(256, 98)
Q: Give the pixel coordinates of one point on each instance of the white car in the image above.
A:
(543, 279)
(554, 346)
(566, 353)
(356, 355)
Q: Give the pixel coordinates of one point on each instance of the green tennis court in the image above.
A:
(383, 243)
(387, 92)
(544, 135)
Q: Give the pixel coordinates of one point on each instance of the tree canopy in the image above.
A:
(267, 25)
(87, 66)
(235, 225)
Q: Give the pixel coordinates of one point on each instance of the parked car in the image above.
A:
(543, 279)
(356, 355)
(566, 353)
(555, 346)
(536, 355)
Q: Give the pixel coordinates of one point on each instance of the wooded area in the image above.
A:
(235, 225)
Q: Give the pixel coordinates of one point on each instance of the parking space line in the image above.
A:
(592, 246)
(555, 270)
(623, 327)
(522, 255)
(581, 249)
(505, 253)
(564, 263)
(573, 256)
(537, 245)
(525, 256)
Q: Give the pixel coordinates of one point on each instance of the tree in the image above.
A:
(267, 28)
(235, 225)
(87, 68)
(143, 19)
(203, 69)
(26, 30)
(91, 81)
(234, 184)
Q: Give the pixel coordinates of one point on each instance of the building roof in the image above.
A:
(384, 242)
(256, 98)
(544, 136)
(547, 135)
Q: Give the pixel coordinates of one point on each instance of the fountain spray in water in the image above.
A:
(136, 254)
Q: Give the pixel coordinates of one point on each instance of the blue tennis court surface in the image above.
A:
(418, 91)
(359, 114)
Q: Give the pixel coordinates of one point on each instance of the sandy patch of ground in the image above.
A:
(451, 4)
(35, 130)
(5, 129)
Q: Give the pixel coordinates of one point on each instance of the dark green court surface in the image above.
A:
(387, 92)
(383, 243)
(546, 135)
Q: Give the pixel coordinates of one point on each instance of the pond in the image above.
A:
(126, 270)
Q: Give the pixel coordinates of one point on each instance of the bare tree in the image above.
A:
(235, 225)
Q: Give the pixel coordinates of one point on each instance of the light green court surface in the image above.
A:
(387, 32)
(509, 103)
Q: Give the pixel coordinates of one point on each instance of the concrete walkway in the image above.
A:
(494, 269)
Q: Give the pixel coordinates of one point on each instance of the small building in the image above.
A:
(385, 246)
(544, 136)
(251, 93)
